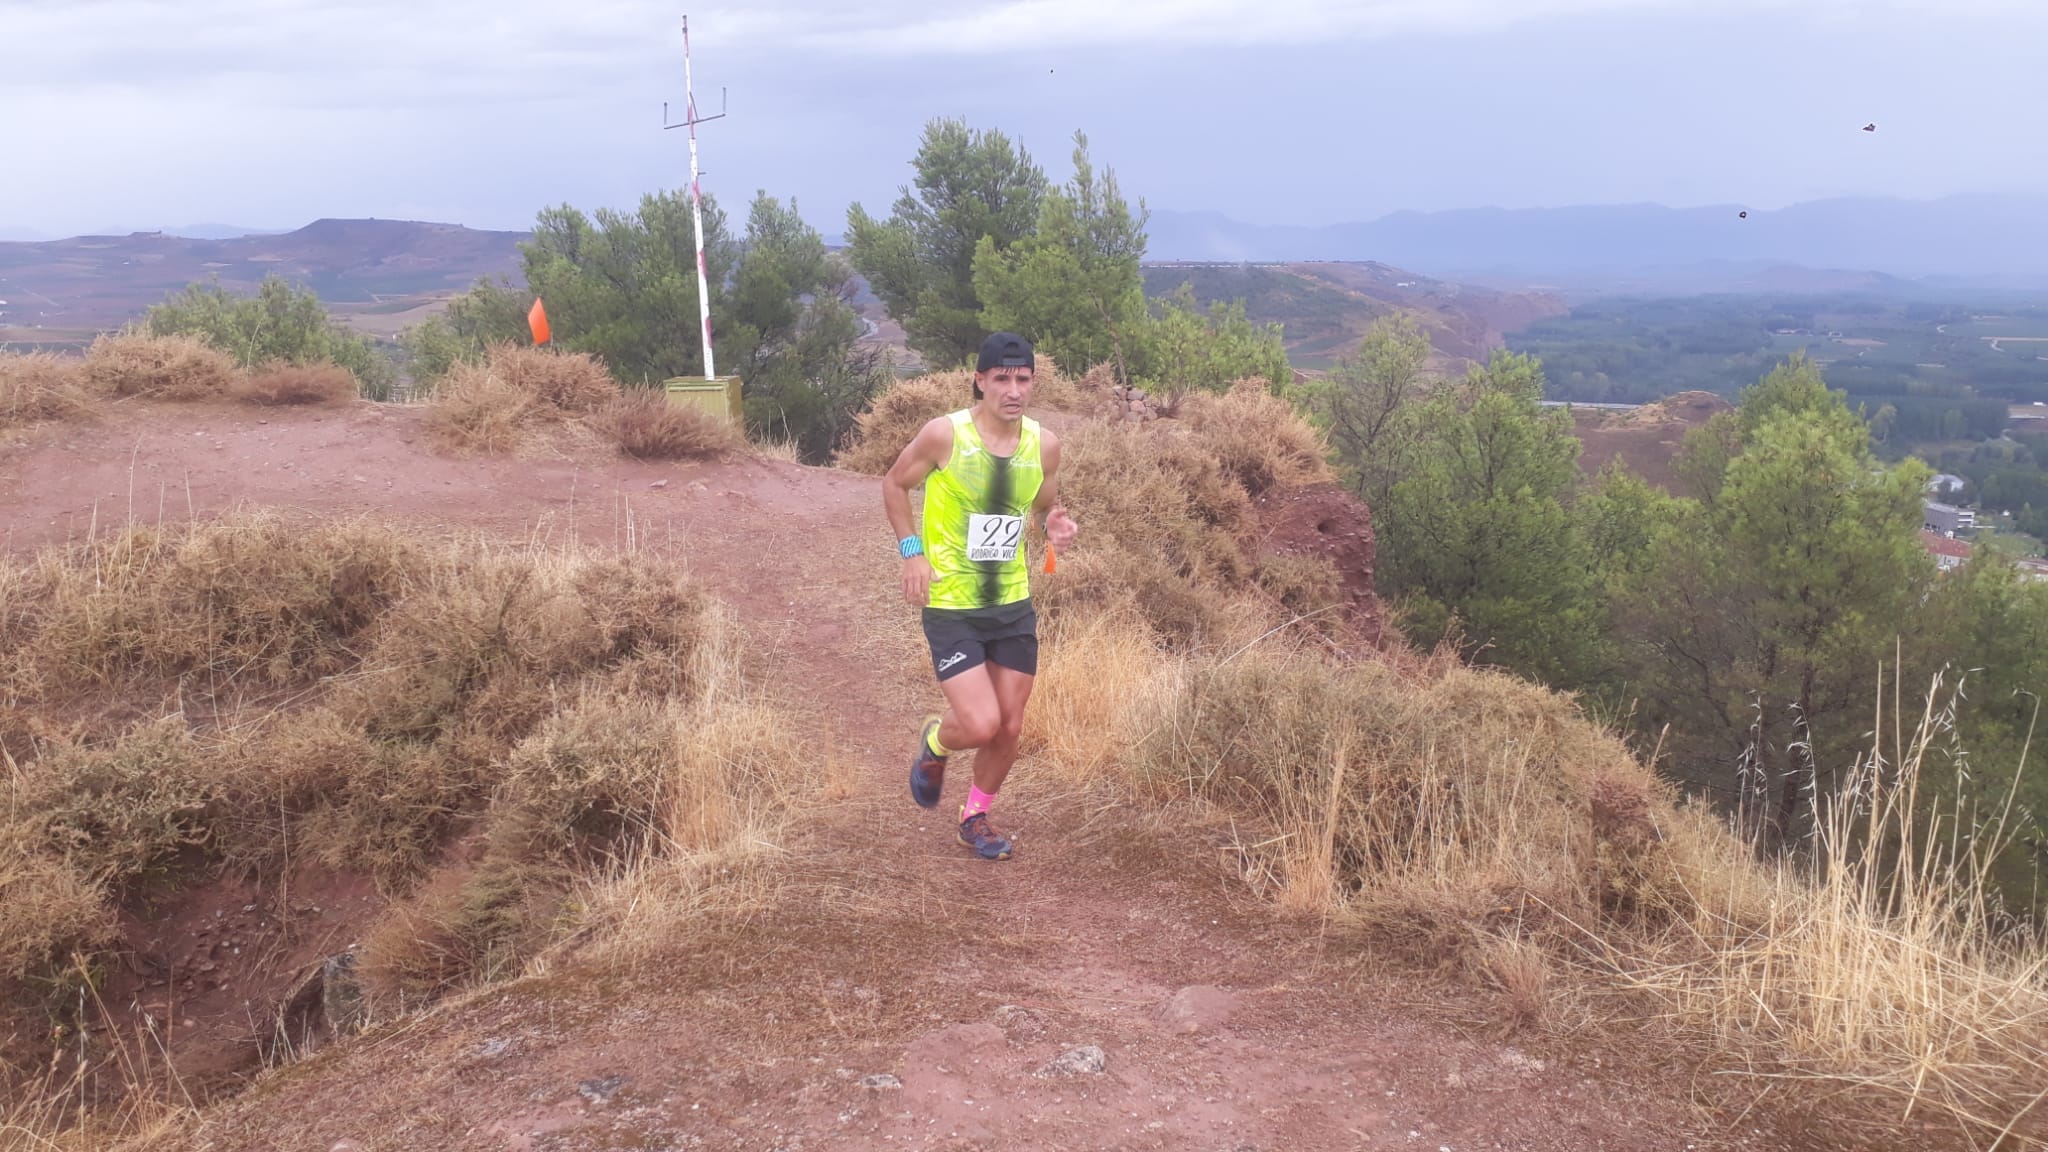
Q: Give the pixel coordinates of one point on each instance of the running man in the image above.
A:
(985, 470)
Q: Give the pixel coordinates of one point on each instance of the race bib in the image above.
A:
(993, 537)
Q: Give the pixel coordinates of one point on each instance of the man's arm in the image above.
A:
(1052, 519)
(929, 449)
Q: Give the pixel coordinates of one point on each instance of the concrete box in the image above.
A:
(719, 396)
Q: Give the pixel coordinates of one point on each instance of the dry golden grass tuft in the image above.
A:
(477, 410)
(41, 386)
(880, 434)
(1166, 529)
(646, 426)
(1258, 437)
(575, 383)
(1461, 816)
(491, 407)
(279, 384)
(160, 367)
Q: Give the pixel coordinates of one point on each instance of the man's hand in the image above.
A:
(1060, 527)
(917, 581)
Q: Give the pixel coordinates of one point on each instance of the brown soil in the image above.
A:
(1647, 439)
(1325, 520)
(1224, 1026)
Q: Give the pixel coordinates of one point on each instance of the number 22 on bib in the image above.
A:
(993, 537)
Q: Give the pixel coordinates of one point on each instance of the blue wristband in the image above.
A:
(910, 546)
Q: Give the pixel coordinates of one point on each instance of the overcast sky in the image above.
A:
(271, 113)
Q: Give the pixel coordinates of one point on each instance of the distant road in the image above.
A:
(1587, 404)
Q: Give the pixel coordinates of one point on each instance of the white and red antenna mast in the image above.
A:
(690, 121)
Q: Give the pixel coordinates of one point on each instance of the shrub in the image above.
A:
(646, 426)
(279, 323)
(490, 406)
(40, 386)
(161, 367)
(1258, 437)
(257, 598)
(280, 383)
(575, 383)
(477, 410)
(880, 434)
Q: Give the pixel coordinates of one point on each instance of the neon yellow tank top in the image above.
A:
(975, 509)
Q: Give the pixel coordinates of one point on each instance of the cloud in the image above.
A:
(993, 27)
(341, 53)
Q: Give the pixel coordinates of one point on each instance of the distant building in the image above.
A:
(1948, 554)
(1946, 484)
(2032, 569)
(1947, 519)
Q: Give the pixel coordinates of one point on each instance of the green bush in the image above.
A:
(279, 323)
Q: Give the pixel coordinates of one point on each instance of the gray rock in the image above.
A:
(1018, 1022)
(341, 995)
(1197, 1008)
(881, 1082)
(600, 1091)
(490, 1048)
(1087, 1060)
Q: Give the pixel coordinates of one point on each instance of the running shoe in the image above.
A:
(978, 834)
(927, 772)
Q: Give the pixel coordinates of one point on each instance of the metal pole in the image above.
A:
(697, 203)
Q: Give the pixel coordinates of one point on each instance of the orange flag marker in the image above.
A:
(1051, 558)
(537, 319)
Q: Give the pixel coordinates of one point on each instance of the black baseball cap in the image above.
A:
(1006, 350)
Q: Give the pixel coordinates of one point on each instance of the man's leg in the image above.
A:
(1012, 691)
(973, 711)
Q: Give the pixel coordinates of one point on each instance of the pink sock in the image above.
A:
(977, 803)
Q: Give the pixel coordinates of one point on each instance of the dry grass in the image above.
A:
(491, 407)
(1258, 437)
(646, 426)
(477, 410)
(229, 693)
(1167, 530)
(182, 368)
(880, 433)
(282, 384)
(41, 386)
(575, 383)
(1464, 818)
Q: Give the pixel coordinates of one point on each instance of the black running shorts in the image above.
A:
(962, 638)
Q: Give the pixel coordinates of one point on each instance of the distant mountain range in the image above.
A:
(1967, 241)
(91, 283)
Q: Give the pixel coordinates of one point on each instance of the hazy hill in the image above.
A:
(1327, 305)
(62, 289)
(1984, 238)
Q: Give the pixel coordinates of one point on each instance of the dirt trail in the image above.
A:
(1222, 1027)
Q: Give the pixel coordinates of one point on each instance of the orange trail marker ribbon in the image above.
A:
(1051, 558)
(537, 319)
